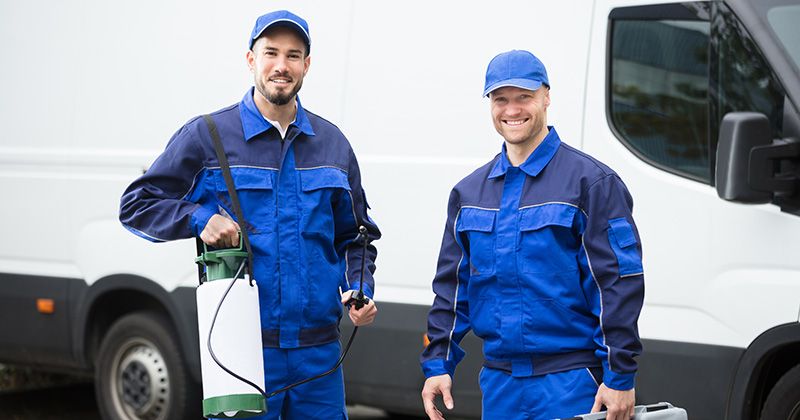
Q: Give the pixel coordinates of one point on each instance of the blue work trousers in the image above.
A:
(321, 398)
(551, 396)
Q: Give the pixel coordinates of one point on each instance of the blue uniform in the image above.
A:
(303, 203)
(543, 263)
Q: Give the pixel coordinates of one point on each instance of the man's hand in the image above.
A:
(619, 404)
(437, 385)
(220, 232)
(363, 316)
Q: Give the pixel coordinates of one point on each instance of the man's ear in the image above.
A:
(307, 65)
(251, 60)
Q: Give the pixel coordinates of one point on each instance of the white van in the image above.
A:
(694, 104)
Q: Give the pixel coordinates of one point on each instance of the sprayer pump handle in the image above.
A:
(358, 299)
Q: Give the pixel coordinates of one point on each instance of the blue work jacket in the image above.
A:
(301, 198)
(542, 262)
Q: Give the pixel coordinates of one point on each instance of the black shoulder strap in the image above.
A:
(226, 173)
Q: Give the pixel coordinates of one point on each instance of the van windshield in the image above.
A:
(783, 21)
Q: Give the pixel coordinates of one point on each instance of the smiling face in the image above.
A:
(278, 61)
(520, 115)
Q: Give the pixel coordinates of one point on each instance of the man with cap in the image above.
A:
(540, 259)
(300, 191)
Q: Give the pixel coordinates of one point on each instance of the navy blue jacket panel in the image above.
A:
(302, 201)
(542, 262)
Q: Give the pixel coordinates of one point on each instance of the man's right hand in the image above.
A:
(437, 385)
(220, 232)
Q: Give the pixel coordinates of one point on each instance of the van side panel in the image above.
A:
(27, 335)
(673, 371)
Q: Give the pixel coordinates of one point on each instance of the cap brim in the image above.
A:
(520, 83)
(286, 23)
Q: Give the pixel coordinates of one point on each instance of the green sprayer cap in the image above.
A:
(222, 263)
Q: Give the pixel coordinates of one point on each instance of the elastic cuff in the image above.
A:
(199, 219)
(366, 289)
(618, 381)
(436, 367)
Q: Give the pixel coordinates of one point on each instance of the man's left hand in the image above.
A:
(619, 404)
(363, 316)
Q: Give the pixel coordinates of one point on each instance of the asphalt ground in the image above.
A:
(76, 401)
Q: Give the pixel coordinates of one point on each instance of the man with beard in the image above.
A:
(541, 260)
(300, 191)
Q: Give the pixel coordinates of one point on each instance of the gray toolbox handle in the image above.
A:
(660, 411)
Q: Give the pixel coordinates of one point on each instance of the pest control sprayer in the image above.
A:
(234, 366)
(236, 339)
(231, 356)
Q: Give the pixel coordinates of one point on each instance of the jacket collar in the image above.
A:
(540, 157)
(253, 123)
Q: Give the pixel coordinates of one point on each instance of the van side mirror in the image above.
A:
(752, 168)
(739, 133)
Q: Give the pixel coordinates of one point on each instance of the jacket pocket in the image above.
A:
(549, 327)
(325, 177)
(323, 279)
(254, 187)
(324, 201)
(477, 227)
(484, 317)
(623, 243)
(547, 241)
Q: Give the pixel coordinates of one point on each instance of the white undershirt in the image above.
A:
(278, 125)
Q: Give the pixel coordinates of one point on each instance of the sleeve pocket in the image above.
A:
(623, 243)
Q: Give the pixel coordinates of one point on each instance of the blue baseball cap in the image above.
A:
(280, 18)
(515, 68)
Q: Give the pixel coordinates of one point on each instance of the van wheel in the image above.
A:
(140, 374)
(783, 401)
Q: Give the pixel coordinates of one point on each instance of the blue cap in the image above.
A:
(515, 68)
(280, 18)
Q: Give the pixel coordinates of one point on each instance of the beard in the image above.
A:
(278, 97)
(537, 125)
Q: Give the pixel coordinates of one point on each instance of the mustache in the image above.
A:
(283, 75)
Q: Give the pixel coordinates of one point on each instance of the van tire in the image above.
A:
(140, 374)
(783, 401)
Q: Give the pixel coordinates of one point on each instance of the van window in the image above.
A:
(675, 71)
(742, 78)
(659, 91)
(783, 21)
